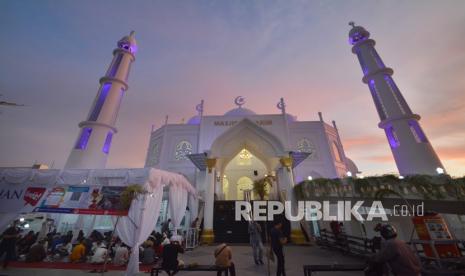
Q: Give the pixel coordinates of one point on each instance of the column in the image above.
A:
(208, 237)
(287, 183)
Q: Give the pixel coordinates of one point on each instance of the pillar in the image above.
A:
(208, 237)
(287, 183)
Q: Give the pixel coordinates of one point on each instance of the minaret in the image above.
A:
(94, 141)
(412, 151)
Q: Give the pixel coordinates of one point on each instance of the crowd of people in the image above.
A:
(96, 248)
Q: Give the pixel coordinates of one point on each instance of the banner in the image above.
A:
(91, 200)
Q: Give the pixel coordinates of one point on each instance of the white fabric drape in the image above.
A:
(145, 210)
(177, 203)
(136, 227)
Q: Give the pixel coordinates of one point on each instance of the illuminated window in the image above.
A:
(83, 139)
(392, 137)
(377, 99)
(417, 132)
(99, 102)
(106, 146)
(336, 152)
(183, 149)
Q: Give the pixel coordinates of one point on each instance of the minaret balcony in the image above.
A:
(108, 79)
(370, 75)
(92, 123)
(388, 121)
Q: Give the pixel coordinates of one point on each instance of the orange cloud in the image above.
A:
(381, 158)
(363, 141)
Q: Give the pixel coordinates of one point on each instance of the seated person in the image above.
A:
(64, 249)
(170, 255)
(100, 254)
(148, 255)
(121, 254)
(36, 252)
(223, 256)
(78, 254)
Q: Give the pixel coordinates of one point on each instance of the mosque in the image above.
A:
(222, 155)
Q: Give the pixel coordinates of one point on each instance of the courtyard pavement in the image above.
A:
(296, 257)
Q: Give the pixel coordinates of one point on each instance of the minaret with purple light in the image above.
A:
(96, 132)
(412, 151)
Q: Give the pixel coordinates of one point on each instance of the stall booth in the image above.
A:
(43, 194)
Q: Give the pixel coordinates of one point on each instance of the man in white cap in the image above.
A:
(170, 255)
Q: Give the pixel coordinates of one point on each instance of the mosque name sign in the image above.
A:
(231, 123)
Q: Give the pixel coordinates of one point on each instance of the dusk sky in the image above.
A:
(54, 52)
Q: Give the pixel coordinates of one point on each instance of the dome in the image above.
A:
(291, 118)
(240, 111)
(128, 43)
(194, 120)
(358, 33)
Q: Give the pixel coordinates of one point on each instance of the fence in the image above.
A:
(192, 238)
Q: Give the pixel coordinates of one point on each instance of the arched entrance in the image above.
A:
(244, 153)
(244, 150)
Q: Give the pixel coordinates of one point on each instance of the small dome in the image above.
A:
(194, 120)
(240, 111)
(128, 43)
(291, 118)
(358, 33)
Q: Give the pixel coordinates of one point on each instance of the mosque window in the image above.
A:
(183, 149)
(84, 138)
(155, 153)
(417, 132)
(392, 137)
(305, 145)
(377, 99)
(106, 146)
(99, 102)
(336, 152)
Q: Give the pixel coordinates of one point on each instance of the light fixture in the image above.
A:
(349, 174)
(439, 170)
(26, 225)
(401, 177)
(21, 219)
(310, 178)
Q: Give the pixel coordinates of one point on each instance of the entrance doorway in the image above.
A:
(240, 173)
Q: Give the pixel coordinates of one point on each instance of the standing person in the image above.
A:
(397, 254)
(277, 241)
(165, 228)
(223, 256)
(255, 234)
(8, 243)
(170, 261)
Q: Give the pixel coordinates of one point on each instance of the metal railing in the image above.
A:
(192, 238)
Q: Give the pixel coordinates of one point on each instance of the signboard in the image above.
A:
(66, 199)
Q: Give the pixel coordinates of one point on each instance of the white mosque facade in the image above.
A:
(224, 154)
